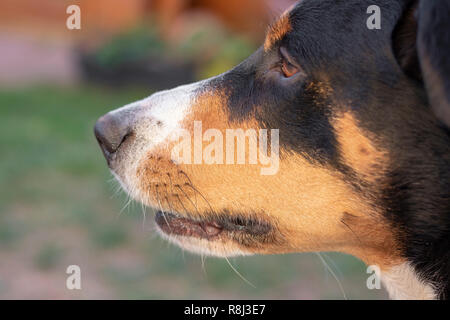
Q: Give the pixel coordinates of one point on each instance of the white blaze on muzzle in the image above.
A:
(157, 118)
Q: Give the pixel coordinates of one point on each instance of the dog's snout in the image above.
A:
(111, 131)
(139, 126)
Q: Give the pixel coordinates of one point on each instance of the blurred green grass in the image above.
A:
(57, 208)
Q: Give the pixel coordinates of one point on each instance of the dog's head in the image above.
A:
(313, 143)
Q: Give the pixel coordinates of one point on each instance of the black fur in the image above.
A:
(434, 45)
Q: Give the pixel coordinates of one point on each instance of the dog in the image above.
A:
(363, 117)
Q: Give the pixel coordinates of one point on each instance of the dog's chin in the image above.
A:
(215, 234)
(219, 236)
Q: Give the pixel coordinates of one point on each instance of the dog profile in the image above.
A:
(364, 145)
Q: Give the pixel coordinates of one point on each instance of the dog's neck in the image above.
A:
(403, 283)
(418, 204)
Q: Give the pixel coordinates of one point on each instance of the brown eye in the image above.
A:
(288, 68)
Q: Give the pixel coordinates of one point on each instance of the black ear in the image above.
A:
(405, 42)
(421, 43)
(433, 46)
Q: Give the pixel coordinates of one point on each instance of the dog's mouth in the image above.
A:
(213, 228)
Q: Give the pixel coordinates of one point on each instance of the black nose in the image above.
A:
(111, 131)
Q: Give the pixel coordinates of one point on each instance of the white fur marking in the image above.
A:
(403, 283)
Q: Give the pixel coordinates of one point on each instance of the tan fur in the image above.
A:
(358, 150)
(312, 207)
(277, 31)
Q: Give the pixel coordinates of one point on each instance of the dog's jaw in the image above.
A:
(203, 247)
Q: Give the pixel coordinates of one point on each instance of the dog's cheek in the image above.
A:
(358, 151)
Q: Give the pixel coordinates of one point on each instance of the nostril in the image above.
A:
(111, 131)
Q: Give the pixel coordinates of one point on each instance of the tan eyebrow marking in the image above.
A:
(277, 30)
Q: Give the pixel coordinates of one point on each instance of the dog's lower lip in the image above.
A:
(174, 224)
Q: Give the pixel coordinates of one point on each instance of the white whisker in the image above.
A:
(240, 275)
(333, 274)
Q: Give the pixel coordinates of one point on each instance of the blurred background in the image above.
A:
(58, 203)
